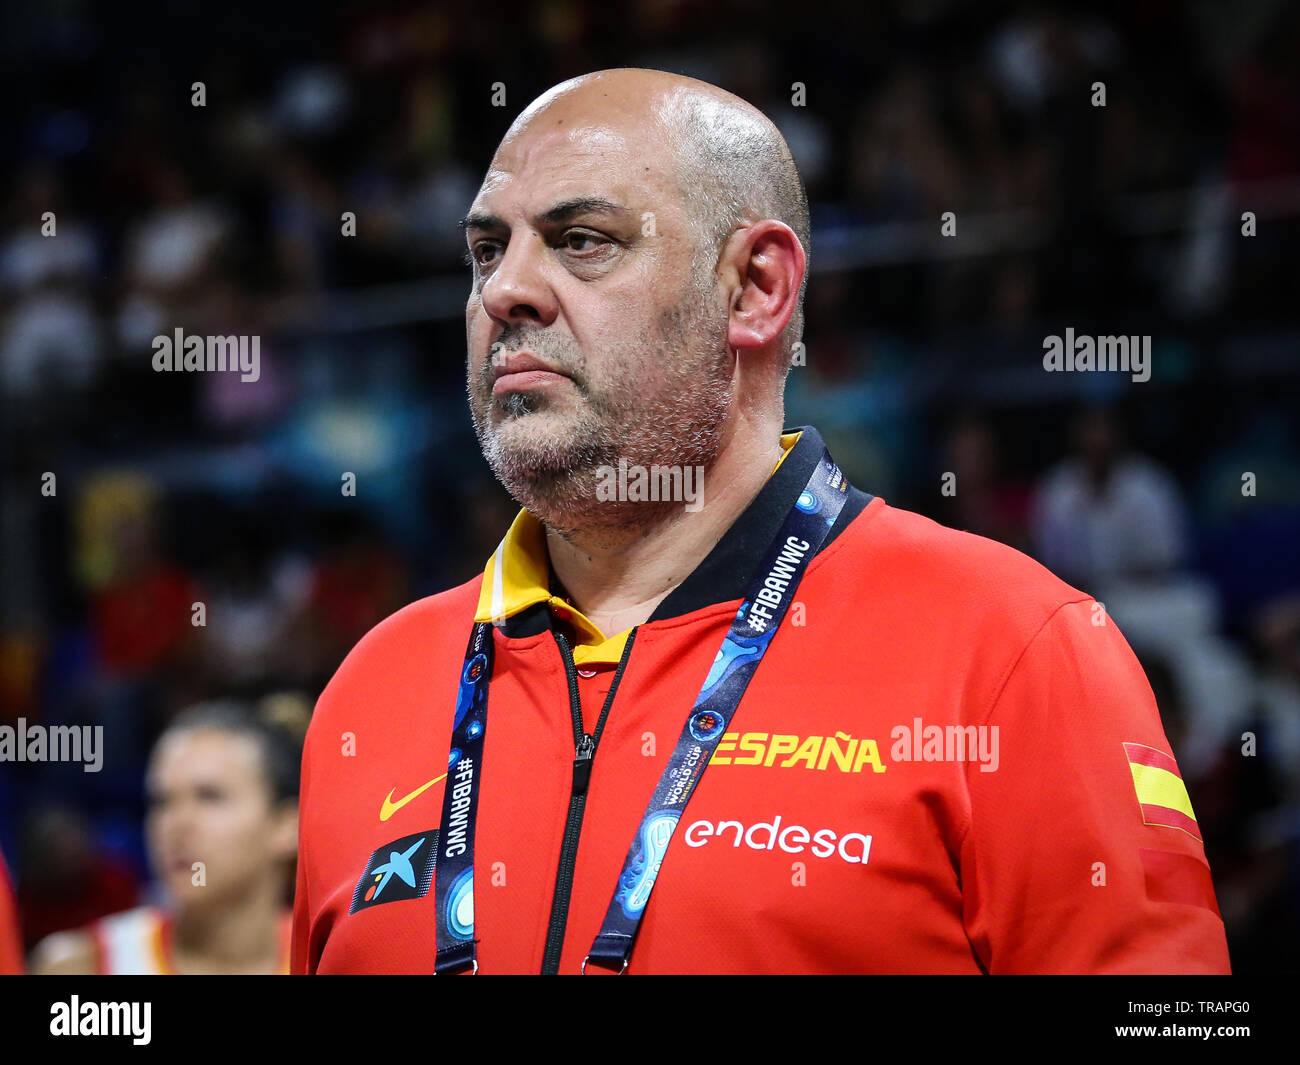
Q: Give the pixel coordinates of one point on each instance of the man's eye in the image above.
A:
(571, 240)
(474, 255)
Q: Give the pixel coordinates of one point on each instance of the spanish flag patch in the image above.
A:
(1161, 793)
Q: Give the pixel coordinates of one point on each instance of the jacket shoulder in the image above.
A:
(407, 643)
(433, 615)
(942, 569)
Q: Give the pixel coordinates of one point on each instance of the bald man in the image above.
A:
(716, 710)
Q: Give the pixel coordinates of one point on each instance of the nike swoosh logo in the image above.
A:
(388, 808)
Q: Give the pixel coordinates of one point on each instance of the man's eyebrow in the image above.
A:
(560, 212)
(480, 220)
(581, 205)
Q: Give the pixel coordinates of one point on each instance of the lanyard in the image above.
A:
(769, 595)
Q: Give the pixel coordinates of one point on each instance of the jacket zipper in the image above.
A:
(585, 751)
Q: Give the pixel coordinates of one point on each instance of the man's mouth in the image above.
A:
(521, 372)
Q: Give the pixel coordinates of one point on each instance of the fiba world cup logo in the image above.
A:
(475, 668)
(706, 725)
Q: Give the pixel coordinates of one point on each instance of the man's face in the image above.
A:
(584, 259)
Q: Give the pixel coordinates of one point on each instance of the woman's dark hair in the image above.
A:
(272, 723)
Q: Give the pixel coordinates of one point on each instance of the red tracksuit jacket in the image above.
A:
(11, 940)
(948, 762)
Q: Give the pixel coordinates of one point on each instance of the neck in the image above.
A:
(619, 580)
(242, 936)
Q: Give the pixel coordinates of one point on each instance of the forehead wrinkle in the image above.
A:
(610, 194)
(602, 135)
(606, 149)
(537, 145)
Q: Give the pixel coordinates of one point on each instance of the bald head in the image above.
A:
(727, 160)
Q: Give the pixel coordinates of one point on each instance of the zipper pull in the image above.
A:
(582, 765)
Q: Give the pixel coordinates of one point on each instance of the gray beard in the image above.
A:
(556, 480)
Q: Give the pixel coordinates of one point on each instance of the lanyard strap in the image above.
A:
(769, 595)
(453, 889)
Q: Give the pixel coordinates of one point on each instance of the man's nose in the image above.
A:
(517, 290)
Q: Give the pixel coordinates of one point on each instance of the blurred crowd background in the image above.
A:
(924, 353)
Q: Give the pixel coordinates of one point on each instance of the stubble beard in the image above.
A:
(548, 452)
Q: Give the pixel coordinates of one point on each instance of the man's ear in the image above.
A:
(768, 263)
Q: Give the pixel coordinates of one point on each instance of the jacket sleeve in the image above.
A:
(1082, 854)
(11, 941)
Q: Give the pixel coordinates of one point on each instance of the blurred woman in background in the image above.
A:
(222, 833)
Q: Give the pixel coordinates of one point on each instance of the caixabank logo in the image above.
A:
(399, 870)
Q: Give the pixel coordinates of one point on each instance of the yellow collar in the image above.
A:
(517, 576)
